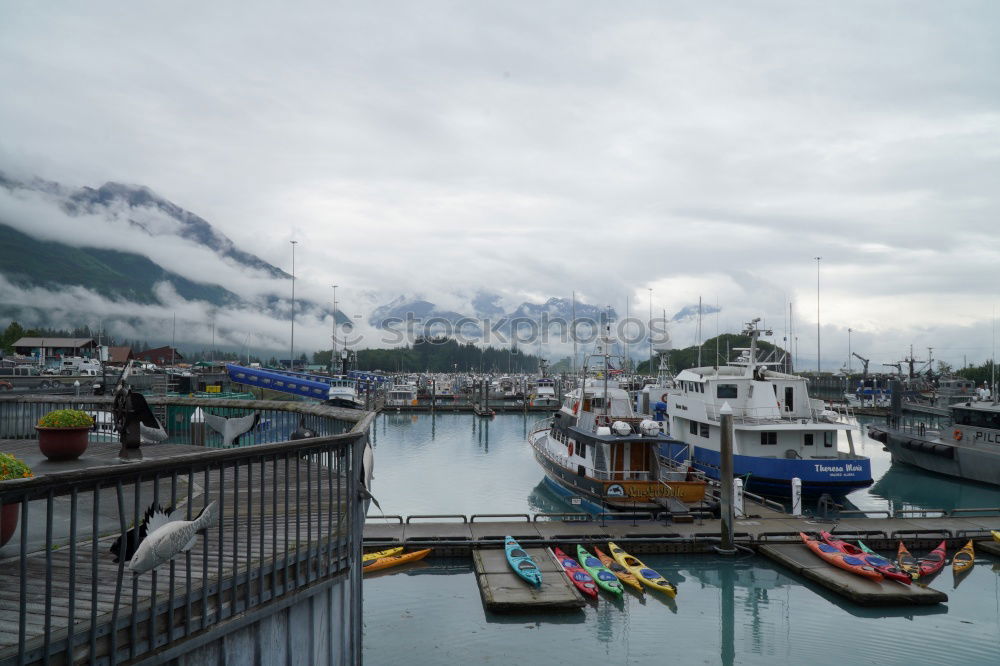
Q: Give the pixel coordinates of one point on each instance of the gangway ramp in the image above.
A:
(503, 591)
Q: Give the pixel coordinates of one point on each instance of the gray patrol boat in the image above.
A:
(969, 448)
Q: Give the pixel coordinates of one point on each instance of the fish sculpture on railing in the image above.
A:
(167, 536)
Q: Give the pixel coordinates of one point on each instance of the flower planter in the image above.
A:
(8, 521)
(63, 443)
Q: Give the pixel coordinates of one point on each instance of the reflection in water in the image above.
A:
(906, 487)
(543, 499)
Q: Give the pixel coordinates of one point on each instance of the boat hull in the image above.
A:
(773, 476)
(597, 496)
(941, 457)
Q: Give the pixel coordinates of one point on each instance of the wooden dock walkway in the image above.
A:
(504, 591)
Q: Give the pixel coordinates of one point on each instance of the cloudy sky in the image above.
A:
(700, 149)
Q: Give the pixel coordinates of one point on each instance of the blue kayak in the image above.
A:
(521, 562)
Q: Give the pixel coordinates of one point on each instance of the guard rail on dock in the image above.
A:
(287, 542)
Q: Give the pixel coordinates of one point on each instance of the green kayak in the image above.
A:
(865, 548)
(607, 580)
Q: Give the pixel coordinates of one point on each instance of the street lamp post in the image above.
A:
(291, 349)
(849, 354)
(817, 317)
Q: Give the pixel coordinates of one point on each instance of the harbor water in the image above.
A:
(743, 611)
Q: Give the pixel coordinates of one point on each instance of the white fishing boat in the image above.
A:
(779, 432)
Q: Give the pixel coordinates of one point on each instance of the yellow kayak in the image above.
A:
(964, 558)
(996, 535)
(618, 570)
(368, 557)
(394, 560)
(646, 576)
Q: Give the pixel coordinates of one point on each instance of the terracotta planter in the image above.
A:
(9, 514)
(63, 443)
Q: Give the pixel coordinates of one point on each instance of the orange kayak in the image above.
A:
(841, 560)
(906, 562)
(618, 570)
(394, 560)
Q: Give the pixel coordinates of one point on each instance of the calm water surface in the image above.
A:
(743, 611)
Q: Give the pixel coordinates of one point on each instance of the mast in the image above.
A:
(607, 341)
(574, 337)
(699, 331)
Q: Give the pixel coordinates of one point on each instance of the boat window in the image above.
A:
(703, 429)
(789, 398)
(808, 439)
(693, 427)
(775, 387)
(726, 391)
(977, 418)
(581, 448)
(768, 438)
(829, 439)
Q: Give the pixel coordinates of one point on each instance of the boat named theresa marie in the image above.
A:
(779, 433)
(597, 449)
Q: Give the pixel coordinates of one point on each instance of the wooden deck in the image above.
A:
(504, 591)
(267, 542)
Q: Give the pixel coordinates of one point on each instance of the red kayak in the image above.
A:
(835, 557)
(576, 573)
(880, 564)
(931, 564)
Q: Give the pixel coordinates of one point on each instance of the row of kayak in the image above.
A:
(588, 571)
(863, 561)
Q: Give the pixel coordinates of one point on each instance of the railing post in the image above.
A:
(796, 496)
(738, 497)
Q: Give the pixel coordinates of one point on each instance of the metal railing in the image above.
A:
(290, 524)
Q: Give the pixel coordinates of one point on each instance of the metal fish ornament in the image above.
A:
(166, 537)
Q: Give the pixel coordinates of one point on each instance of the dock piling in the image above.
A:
(726, 477)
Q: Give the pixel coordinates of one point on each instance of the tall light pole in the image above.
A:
(649, 331)
(817, 315)
(291, 349)
(849, 354)
(333, 333)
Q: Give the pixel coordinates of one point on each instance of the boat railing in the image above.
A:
(541, 424)
(750, 415)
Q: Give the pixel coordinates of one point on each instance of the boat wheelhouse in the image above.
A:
(545, 393)
(779, 433)
(344, 393)
(401, 395)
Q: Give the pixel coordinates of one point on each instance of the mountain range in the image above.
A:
(33, 256)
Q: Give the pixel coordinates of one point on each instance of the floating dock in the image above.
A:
(503, 591)
(862, 591)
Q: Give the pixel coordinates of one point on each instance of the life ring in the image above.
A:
(569, 447)
(957, 435)
(576, 406)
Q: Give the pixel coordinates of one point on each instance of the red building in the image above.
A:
(159, 356)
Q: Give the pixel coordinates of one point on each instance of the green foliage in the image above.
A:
(439, 355)
(66, 418)
(980, 374)
(13, 468)
(29, 261)
(682, 359)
